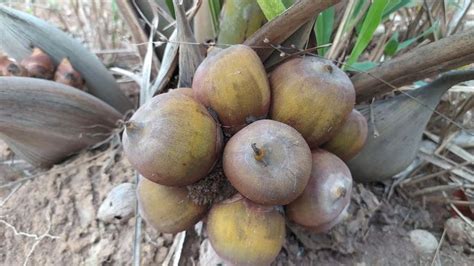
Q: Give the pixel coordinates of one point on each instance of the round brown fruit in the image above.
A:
(66, 74)
(9, 67)
(167, 209)
(313, 96)
(350, 138)
(172, 140)
(327, 194)
(234, 84)
(268, 162)
(39, 64)
(245, 233)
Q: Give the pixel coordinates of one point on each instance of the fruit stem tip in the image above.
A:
(259, 153)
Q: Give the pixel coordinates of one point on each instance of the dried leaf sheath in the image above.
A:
(18, 31)
(44, 121)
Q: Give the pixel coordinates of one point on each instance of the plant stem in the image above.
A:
(422, 62)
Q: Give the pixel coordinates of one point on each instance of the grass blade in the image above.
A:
(393, 6)
(215, 7)
(391, 47)
(427, 32)
(323, 29)
(371, 21)
(271, 8)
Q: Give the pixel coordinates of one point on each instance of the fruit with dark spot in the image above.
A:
(350, 138)
(66, 74)
(172, 140)
(313, 96)
(9, 67)
(39, 64)
(245, 233)
(167, 209)
(268, 162)
(327, 194)
(234, 84)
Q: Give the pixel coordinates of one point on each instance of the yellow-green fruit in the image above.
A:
(172, 140)
(234, 84)
(167, 209)
(239, 20)
(350, 138)
(245, 233)
(313, 96)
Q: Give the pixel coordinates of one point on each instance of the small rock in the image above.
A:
(459, 233)
(119, 205)
(424, 241)
(455, 231)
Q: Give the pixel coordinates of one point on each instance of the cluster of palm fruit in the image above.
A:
(280, 141)
(40, 65)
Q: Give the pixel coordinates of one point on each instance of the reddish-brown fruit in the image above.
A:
(268, 162)
(39, 65)
(327, 194)
(234, 84)
(167, 209)
(350, 138)
(66, 74)
(9, 67)
(245, 233)
(313, 96)
(172, 140)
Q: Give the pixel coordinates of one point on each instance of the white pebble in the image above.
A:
(119, 205)
(424, 241)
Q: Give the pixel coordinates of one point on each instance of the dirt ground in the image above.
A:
(51, 219)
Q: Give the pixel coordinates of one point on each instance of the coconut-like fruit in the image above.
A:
(66, 74)
(234, 84)
(167, 209)
(350, 138)
(268, 162)
(327, 194)
(245, 233)
(172, 140)
(9, 67)
(312, 95)
(39, 64)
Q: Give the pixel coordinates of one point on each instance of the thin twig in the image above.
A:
(422, 177)
(438, 248)
(10, 194)
(459, 213)
(440, 188)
